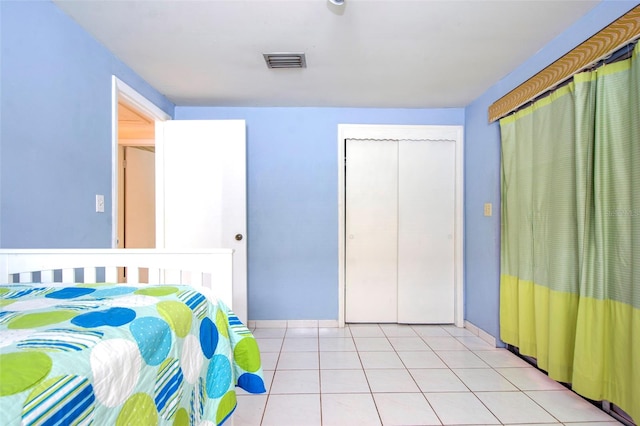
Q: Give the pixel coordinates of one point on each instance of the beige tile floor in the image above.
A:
(402, 375)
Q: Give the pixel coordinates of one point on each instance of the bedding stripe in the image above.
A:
(168, 388)
(16, 294)
(73, 409)
(195, 301)
(6, 316)
(62, 400)
(197, 398)
(79, 306)
(62, 340)
(236, 325)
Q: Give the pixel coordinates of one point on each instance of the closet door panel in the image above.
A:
(426, 206)
(371, 231)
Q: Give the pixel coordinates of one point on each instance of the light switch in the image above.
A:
(488, 209)
(99, 203)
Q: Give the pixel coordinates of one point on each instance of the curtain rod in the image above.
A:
(601, 45)
(621, 54)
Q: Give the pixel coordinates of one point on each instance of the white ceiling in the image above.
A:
(367, 53)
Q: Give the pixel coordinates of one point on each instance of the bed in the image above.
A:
(76, 347)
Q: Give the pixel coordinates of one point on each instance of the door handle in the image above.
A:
(238, 237)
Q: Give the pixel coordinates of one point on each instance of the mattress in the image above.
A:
(121, 355)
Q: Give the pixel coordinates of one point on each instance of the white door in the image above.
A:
(201, 192)
(400, 199)
(426, 201)
(372, 231)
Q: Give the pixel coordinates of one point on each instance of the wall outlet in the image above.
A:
(99, 203)
(488, 209)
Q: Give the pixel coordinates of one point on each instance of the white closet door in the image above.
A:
(426, 203)
(371, 231)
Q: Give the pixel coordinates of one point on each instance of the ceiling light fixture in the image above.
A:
(337, 2)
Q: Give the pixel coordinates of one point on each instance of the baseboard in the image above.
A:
(292, 323)
(252, 324)
(481, 333)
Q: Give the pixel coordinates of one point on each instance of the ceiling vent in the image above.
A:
(285, 60)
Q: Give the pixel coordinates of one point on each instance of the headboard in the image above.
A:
(210, 269)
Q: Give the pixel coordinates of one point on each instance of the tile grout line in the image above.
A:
(435, 413)
(387, 335)
(275, 370)
(492, 368)
(320, 379)
(364, 371)
(454, 373)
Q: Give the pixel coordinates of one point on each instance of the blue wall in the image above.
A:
(55, 135)
(482, 169)
(292, 200)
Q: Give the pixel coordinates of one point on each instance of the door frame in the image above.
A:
(395, 132)
(120, 91)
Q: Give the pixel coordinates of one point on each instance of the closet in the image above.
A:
(400, 231)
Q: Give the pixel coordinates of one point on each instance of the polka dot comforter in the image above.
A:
(121, 355)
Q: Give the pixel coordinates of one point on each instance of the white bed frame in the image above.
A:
(208, 269)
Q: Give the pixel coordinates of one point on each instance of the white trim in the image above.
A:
(328, 323)
(267, 324)
(292, 324)
(481, 334)
(135, 99)
(302, 324)
(159, 132)
(366, 131)
(122, 91)
(487, 338)
(471, 327)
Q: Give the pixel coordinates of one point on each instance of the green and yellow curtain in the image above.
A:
(570, 253)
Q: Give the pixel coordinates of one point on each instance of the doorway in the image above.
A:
(447, 141)
(136, 178)
(133, 118)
